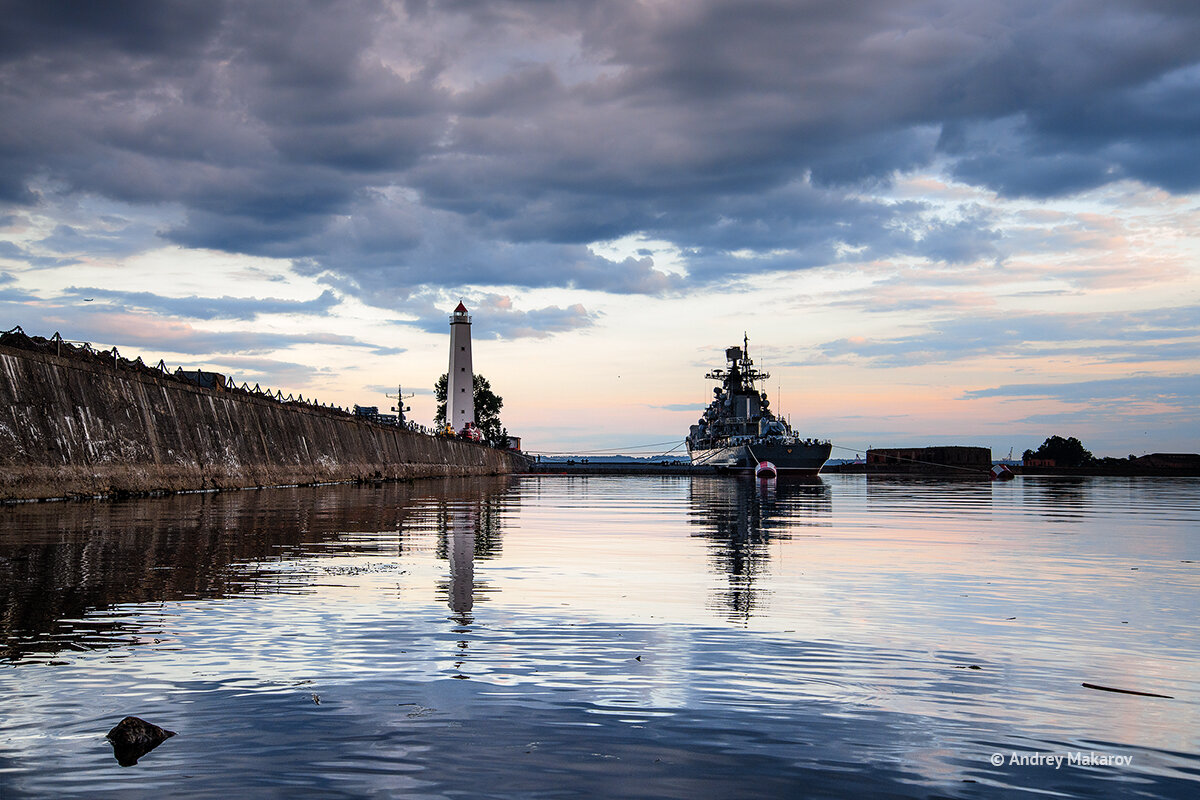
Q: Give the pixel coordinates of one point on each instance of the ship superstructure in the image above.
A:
(739, 431)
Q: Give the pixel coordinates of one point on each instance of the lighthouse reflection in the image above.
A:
(67, 570)
(741, 519)
(460, 547)
(469, 531)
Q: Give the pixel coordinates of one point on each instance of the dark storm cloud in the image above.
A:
(144, 27)
(390, 148)
(1144, 131)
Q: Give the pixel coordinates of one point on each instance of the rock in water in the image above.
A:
(132, 738)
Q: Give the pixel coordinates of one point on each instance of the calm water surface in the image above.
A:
(555, 637)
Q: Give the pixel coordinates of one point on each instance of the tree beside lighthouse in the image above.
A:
(487, 410)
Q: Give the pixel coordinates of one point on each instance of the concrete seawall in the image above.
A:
(74, 427)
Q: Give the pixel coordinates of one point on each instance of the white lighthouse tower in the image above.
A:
(460, 380)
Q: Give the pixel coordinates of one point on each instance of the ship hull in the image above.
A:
(795, 458)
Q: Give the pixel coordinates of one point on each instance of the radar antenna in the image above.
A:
(739, 373)
(399, 408)
(752, 375)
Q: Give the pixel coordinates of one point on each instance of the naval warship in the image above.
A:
(738, 431)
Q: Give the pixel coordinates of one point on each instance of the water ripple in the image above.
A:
(608, 637)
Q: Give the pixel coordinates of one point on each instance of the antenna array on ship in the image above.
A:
(741, 365)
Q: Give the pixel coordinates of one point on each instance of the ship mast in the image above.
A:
(750, 373)
(740, 369)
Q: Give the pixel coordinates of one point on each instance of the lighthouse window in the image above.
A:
(462, 348)
(464, 391)
(462, 369)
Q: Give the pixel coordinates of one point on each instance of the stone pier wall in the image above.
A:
(73, 427)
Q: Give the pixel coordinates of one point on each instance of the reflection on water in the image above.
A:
(740, 519)
(469, 529)
(1064, 498)
(607, 637)
(62, 562)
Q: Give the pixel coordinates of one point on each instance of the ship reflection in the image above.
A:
(740, 519)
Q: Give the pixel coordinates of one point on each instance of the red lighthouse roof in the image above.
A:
(461, 308)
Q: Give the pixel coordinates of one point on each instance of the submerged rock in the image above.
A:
(132, 738)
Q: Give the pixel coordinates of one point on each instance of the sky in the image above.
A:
(937, 221)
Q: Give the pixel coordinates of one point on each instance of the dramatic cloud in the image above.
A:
(495, 317)
(156, 334)
(1105, 338)
(1182, 390)
(185, 339)
(14, 252)
(392, 147)
(1142, 412)
(9, 293)
(909, 186)
(269, 373)
(244, 308)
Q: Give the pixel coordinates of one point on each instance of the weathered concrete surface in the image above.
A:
(69, 427)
